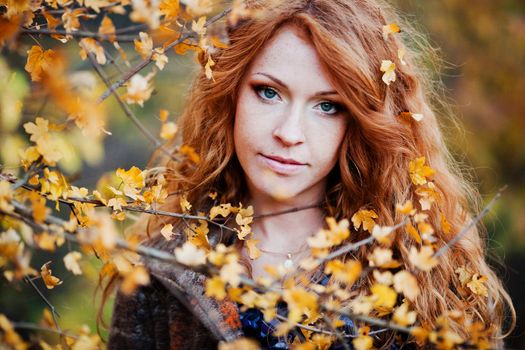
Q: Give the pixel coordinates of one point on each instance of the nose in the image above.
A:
(289, 130)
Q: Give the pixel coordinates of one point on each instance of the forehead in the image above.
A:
(292, 58)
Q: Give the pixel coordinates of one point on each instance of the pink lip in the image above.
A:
(281, 167)
(284, 160)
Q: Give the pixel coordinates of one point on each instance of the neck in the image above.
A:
(288, 231)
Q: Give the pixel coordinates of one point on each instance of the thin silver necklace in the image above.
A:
(288, 263)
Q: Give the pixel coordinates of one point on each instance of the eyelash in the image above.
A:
(259, 88)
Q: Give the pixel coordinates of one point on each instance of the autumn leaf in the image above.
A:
(138, 276)
(388, 67)
(71, 262)
(169, 8)
(207, 68)
(222, 209)
(477, 285)
(401, 54)
(406, 283)
(190, 255)
(254, 252)
(198, 27)
(49, 280)
(184, 204)
(419, 172)
(138, 90)
(391, 28)
(144, 46)
(231, 272)
(132, 181)
(167, 232)
(404, 317)
(345, 272)
(107, 29)
(189, 152)
(70, 19)
(365, 218)
(423, 259)
(90, 45)
(39, 61)
(215, 288)
(382, 257)
(383, 296)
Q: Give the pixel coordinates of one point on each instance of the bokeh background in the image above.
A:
(482, 44)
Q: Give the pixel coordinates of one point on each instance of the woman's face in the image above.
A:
(289, 122)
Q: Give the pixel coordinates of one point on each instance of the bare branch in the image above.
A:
(472, 223)
(148, 60)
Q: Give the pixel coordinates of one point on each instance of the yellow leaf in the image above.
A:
(144, 46)
(407, 208)
(190, 153)
(347, 272)
(363, 342)
(419, 172)
(198, 27)
(254, 252)
(411, 230)
(90, 45)
(215, 288)
(39, 61)
(383, 296)
(138, 90)
(107, 29)
(477, 286)
(169, 8)
(167, 232)
(207, 68)
(231, 273)
(241, 343)
(464, 275)
(168, 130)
(390, 29)
(401, 54)
(190, 255)
(218, 43)
(71, 262)
(422, 259)
(132, 279)
(49, 280)
(382, 257)
(222, 209)
(382, 233)
(445, 226)
(404, 317)
(70, 19)
(184, 204)
(365, 218)
(406, 283)
(37, 130)
(388, 67)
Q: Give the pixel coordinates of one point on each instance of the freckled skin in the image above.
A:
(292, 122)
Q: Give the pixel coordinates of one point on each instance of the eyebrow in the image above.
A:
(278, 81)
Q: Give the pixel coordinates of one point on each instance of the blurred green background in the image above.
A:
(483, 47)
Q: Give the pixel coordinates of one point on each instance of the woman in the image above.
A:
(300, 114)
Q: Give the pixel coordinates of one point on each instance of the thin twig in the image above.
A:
(54, 312)
(128, 111)
(144, 63)
(473, 222)
(80, 34)
(26, 325)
